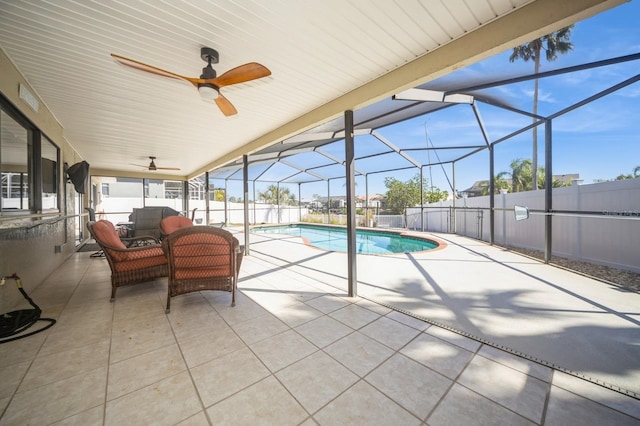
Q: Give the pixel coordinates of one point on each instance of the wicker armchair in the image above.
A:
(202, 258)
(173, 223)
(129, 265)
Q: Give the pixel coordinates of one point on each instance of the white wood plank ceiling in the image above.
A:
(316, 50)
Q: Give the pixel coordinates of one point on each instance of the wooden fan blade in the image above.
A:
(157, 168)
(151, 69)
(225, 106)
(241, 74)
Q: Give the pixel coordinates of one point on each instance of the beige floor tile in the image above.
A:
(210, 344)
(259, 328)
(566, 408)
(296, 314)
(199, 419)
(600, 394)
(91, 310)
(10, 377)
(329, 303)
(93, 416)
(61, 365)
(525, 366)
(22, 350)
(265, 403)
(410, 384)
(89, 293)
(58, 400)
(316, 380)
(188, 326)
(132, 341)
(76, 335)
(282, 349)
(163, 403)
(408, 320)
(143, 370)
(462, 407)
(443, 357)
(3, 404)
(354, 316)
(372, 306)
(390, 332)
(138, 320)
(270, 299)
(362, 404)
(245, 310)
(300, 291)
(324, 331)
(515, 390)
(454, 338)
(134, 300)
(227, 375)
(359, 353)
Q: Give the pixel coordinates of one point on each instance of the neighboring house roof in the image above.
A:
(481, 187)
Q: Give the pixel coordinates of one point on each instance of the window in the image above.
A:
(29, 165)
(14, 163)
(49, 167)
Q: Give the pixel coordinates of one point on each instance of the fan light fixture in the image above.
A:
(208, 92)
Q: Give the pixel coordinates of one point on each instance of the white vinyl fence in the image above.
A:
(609, 235)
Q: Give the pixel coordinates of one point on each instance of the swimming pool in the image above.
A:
(367, 242)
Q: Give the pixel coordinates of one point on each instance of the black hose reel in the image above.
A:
(14, 324)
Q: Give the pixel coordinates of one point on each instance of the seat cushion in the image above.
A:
(140, 259)
(173, 223)
(104, 232)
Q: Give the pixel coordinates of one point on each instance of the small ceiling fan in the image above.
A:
(152, 166)
(208, 84)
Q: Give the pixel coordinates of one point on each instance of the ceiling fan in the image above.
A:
(152, 166)
(208, 84)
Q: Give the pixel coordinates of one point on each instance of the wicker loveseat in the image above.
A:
(129, 265)
(202, 258)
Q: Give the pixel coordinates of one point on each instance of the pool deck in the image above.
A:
(296, 350)
(548, 314)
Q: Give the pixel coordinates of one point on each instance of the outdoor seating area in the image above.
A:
(296, 349)
(194, 258)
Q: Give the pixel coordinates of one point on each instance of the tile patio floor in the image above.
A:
(295, 350)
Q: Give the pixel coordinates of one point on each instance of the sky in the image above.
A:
(598, 141)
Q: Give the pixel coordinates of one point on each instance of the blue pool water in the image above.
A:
(367, 242)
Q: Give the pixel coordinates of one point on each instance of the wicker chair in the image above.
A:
(202, 258)
(173, 223)
(129, 265)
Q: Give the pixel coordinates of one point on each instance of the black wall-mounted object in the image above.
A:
(78, 174)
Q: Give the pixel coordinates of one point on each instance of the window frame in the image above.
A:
(34, 173)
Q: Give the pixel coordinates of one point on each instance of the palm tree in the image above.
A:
(552, 44)
(636, 172)
(520, 175)
(276, 195)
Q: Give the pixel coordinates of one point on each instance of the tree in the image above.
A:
(276, 195)
(634, 175)
(401, 195)
(521, 175)
(553, 44)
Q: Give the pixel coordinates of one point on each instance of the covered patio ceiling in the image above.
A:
(325, 58)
